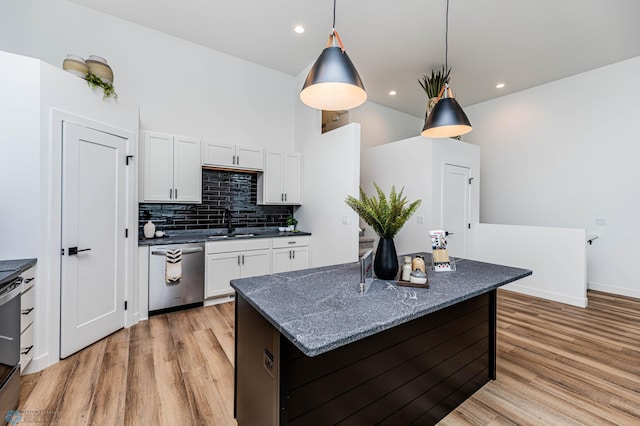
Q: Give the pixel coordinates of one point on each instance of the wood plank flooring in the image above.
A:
(557, 365)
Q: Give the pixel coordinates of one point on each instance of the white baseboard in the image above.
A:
(39, 364)
(621, 291)
(543, 294)
(221, 299)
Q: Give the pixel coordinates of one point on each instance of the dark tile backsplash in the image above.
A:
(221, 189)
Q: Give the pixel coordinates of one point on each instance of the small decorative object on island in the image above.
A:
(149, 229)
(386, 216)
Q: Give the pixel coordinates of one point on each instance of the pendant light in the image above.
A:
(447, 119)
(333, 83)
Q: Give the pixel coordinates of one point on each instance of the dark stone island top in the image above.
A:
(9, 269)
(321, 309)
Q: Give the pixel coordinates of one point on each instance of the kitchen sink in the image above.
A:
(224, 236)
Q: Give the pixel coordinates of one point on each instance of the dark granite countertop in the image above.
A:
(9, 269)
(321, 309)
(203, 236)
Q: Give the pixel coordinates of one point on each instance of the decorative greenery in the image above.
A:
(107, 88)
(292, 221)
(432, 85)
(386, 215)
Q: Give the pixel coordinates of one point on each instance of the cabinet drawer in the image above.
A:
(284, 242)
(26, 347)
(238, 245)
(29, 277)
(27, 303)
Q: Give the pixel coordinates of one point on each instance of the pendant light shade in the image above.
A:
(447, 119)
(333, 83)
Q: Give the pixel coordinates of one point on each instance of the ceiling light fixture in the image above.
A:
(333, 83)
(499, 85)
(299, 29)
(447, 119)
(393, 93)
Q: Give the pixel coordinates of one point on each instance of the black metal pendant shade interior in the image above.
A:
(447, 119)
(333, 83)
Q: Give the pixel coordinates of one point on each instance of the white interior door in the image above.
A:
(456, 208)
(93, 222)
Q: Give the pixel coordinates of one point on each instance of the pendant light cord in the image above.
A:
(334, 15)
(446, 40)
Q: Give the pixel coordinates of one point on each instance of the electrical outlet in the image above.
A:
(345, 220)
(268, 361)
(600, 221)
(420, 219)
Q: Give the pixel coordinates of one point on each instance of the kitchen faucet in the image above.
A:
(227, 215)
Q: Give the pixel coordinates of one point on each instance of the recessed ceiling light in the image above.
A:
(299, 29)
(499, 85)
(392, 93)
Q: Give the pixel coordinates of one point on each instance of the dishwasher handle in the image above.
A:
(184, 251)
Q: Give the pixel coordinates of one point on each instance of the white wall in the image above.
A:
(406, 163)
(557, 257)
(564, 154)
(382, 125)
(181, 87)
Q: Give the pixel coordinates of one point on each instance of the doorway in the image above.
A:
(94, 215)
(456, 208)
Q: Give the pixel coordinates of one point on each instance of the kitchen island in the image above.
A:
(312, 349)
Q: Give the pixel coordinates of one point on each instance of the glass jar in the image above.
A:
(406, 269)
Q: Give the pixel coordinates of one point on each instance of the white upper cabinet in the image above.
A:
(281, 182)
(232, 156)
(171, 169)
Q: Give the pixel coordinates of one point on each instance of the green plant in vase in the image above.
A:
(386, 215)
(107, 88)
(292, 222)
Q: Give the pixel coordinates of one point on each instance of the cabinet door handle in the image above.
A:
(238, 260)
(289, 254)
(294, 253)
(26, 350)
(285, 196)
(27, 311)
(175, 192)
(281, 197)
(238, 160)
(243, 259)
(170, 193)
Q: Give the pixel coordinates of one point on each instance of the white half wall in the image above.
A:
(405, 163)
(331, 173)
(181, 87)
(565, 154)
(557, 257)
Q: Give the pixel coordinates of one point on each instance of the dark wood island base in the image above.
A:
(413, 373)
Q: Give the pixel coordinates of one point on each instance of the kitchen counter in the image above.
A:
(311, 349)
(10, 269)
(320, 309)
(203, 236)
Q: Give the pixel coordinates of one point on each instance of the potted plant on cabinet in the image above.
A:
(386, 215)
(292, 222)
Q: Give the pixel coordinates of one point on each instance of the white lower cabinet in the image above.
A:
(27, 306)
(290, 254)
(227, 260)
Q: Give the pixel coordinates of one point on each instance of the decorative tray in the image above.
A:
(410, 284)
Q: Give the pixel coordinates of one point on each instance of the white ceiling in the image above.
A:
(393, 43)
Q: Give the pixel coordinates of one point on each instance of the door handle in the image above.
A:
(74, 250)
(175, 192)
(26, 350)
(27, 311)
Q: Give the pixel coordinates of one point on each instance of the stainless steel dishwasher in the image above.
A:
(186, 292)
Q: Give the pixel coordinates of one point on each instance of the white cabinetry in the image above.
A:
(171, 169)
(227, 260)
(290, 254)
(281, 182)
(232, 156)
(27, 310)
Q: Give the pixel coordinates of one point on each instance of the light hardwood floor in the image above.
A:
(557, 365)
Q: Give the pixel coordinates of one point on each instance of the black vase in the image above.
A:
(385, 264)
